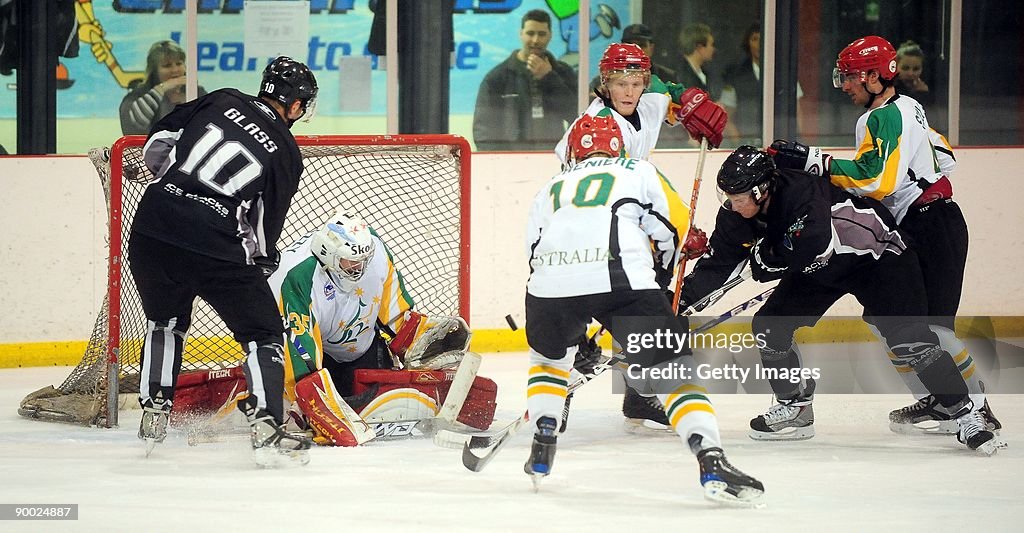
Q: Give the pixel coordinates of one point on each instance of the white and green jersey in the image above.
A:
(606, 224)
(656, 106)
(324, 319)
(896, 157)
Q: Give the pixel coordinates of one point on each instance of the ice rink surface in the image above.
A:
(855, 475)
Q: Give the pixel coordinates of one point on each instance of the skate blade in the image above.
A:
(991, 447)
(642, 426)
(535, 480)
(748, 498)
(270, 457)
(803, 433)
(931, 427)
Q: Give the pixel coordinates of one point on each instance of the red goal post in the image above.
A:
(414, 190)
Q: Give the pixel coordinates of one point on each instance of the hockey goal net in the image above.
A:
(413, 189)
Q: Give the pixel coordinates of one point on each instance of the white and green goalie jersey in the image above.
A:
(606, 224)
(323, 319)
(898, 156)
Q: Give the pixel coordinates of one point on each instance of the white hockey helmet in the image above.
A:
(345, 246)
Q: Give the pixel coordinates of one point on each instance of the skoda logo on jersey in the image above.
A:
(329, 291)
(265, 108)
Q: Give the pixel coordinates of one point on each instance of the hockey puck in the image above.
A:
(511, 323)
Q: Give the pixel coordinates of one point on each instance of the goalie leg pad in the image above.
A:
(202, 393)
(324, 412)
(478, 410)
(418, 394)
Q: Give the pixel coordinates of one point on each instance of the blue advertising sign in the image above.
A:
(115, 37)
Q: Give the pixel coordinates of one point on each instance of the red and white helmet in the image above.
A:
(590, 135)
(626, 58)
(864, 55)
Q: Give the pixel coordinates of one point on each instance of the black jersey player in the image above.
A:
(821, 243)
(226, 167)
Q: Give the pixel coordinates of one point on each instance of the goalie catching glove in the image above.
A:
(431, 342)
(794, 155)
(701, 117)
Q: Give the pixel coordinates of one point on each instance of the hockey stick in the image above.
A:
(452, 439)
(493, 443)
(91, 32)
(681, 269)
(704, 302)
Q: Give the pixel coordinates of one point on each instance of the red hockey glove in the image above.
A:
(696, 244)
(791, 154)
(701, 117)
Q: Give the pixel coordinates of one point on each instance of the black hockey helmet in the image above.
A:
(747, 169)
(286, 80)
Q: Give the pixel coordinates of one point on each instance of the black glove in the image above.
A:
(794, 155)
(267, 266)
(588, 355)
(764, 264)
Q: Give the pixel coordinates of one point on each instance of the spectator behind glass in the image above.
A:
(698, 47)
(527, 101)
(910, 64)
(161, 90)
(741, 92)
(642, 36)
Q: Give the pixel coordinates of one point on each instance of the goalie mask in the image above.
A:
(593, 135)
(626, 59)
(344, 246)
(286, 80)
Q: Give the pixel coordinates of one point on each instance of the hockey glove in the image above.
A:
(794, 155)
(701, 117)
(588, 356)
(765, 266)
(696, 244)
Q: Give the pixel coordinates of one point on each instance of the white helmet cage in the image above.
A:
(344, 246)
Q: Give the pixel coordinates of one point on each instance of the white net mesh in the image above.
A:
(413, 190)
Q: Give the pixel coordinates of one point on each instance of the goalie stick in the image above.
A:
(494, 442)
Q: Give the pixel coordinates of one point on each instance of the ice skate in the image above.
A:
(923, 416)
(274, 447)
(542, 453)
(644, 414)
(723, 483)
(153, 426)
(974, 434)
(786, 420)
